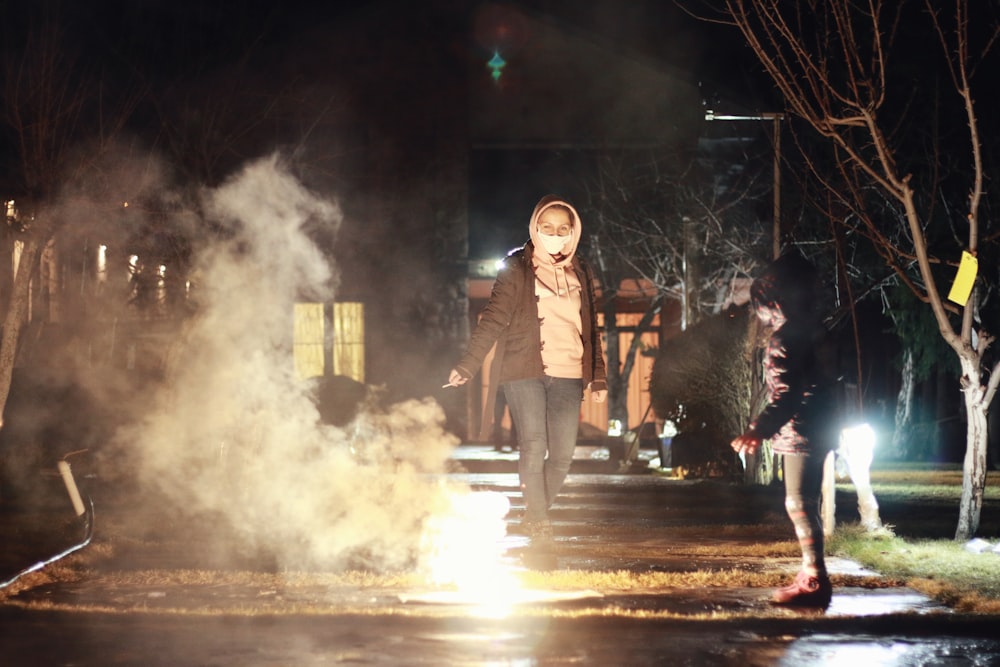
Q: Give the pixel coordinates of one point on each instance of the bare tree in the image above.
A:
(42, 103)
(684, 231)
(62, 120)
(832, 61)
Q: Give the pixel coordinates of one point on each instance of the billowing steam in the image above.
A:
(236, 434)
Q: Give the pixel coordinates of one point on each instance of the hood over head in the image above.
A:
(789, 286)
(569, 249)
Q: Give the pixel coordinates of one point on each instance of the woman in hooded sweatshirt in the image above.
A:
(542, 317)
(800, 419)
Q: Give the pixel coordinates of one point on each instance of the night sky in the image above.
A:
(167, 48)
(165, 38)
(346, 80)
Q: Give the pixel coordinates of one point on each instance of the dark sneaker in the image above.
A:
(807, 590)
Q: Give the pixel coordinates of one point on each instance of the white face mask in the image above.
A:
(553, 244)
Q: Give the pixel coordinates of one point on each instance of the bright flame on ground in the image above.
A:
(463, 549)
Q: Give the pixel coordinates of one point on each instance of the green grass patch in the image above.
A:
(942, 569)
(922, 503)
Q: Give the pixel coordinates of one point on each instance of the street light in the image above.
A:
(775, 118)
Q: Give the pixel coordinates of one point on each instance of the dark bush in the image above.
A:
(701, 381)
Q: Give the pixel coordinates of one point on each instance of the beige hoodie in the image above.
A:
(557, 288)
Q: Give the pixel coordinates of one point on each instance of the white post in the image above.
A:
(857, 445)
(74, 492)
(829, 501)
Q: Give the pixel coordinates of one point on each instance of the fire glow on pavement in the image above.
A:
(464, 554)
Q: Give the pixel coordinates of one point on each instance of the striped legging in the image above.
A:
(803, 492)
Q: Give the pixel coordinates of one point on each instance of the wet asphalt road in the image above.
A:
(604, 521)
(99, 640)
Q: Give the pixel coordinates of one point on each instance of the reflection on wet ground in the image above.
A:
(888, 651)
(603, 522)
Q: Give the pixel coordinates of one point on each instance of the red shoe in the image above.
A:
(808, 590)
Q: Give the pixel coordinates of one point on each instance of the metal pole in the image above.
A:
(776, 118)
(777, 186)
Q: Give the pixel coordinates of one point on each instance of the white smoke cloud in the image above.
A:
(236, 434)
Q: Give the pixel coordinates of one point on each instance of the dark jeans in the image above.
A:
(546, 415)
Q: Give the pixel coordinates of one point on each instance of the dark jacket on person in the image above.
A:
(510, 320)
(802, 415)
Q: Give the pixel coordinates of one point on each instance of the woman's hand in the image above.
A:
(598, 395)
(455, 379)
(746, 443)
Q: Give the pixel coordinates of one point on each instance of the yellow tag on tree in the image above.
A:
(966, 277)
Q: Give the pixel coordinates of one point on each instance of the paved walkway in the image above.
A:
(644, 519)
(605, 521)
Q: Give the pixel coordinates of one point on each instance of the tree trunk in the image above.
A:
(903, 431)
(761, 467)
(993, 434)
(974, 467)
(691, 261)
(617, 394)
(633, 349)
(17, 310)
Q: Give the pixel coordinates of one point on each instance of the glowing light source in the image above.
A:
(496, 64)
(462, 548)
(857, 448)
(15, 219)
(466, 538)
(667, 433)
